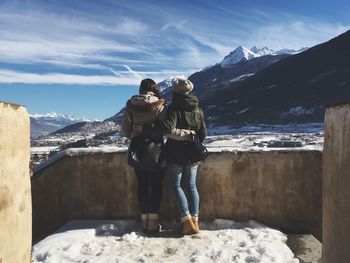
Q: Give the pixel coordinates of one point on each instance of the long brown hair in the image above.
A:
(147, 85)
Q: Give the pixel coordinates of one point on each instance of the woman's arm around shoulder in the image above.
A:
(202, 132)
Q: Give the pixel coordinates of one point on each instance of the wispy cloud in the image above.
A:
(129, 77)
(146, 38)
(7, 76)
(177, 25)
(131, 27)
(295, 33)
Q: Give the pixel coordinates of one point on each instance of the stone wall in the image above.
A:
(336, 186)
(280, 188)
(15, 198)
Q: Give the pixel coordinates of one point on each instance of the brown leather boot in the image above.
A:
(188, 228)
(196, 225)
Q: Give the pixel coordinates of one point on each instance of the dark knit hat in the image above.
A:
(147, 85)
(182, 86)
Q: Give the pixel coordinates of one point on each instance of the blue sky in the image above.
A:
(85, 58)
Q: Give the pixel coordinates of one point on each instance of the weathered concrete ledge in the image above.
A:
(113, 149)
(336, 185)
(282, 189)
(15, 198)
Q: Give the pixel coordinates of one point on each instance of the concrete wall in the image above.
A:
(281, 189)
(15, 199)
(336, 186)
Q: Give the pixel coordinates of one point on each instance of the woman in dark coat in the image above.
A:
(183, 113)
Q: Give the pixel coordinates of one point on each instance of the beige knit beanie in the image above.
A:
(182, 86)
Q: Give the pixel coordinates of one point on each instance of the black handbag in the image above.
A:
(198, 151)
(145, 154)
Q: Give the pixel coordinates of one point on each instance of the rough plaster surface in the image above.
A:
(280, 189)
(306, 248)
(336, 185)
(15, 198)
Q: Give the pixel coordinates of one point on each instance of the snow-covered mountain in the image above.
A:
(239, 54)
(47, 123)
(293, 90)
(54, 118)
(167, 83)
(243, 53)
(262, 51)
(165, 86)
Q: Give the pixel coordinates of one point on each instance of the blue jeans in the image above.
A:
(187, 175)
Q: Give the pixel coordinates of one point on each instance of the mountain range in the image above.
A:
(41, 124)
(212, 78)
(262, 86)
(243, 53)
(293, 90)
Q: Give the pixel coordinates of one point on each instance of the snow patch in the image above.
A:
(242, 111)
(297, 111)
(77, 152)
(121, 241)
(242, 77)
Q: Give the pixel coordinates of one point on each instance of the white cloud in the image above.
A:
(129, 77)
(60, 40)
(132, 27)
(134, 73)
(8, 76)
(177, 25)
(295, 33)
(168, 40)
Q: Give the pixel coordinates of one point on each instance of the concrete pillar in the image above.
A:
(15, 194)
(336, 185)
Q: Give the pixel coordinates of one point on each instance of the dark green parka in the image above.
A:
(183, 113)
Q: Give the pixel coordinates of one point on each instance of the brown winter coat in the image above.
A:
(142, 109)
(147, 108)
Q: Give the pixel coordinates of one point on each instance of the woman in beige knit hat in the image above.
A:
(184, 112)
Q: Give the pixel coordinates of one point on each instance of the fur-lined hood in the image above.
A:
(145, 103)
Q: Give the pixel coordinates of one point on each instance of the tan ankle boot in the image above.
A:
(195, 223)
(187, 227)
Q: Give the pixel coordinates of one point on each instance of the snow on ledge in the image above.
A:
(78, 152)
(216, 146)
(122, 241)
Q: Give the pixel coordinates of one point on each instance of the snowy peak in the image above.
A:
(53, 116)
(168, 83)
(289, 51)
(50, 122)
(243, 53)
(262, 51)
(240, 53)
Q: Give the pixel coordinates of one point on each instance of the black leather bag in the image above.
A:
(145, 154)
(198, 151)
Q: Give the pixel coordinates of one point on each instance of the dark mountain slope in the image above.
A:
(217, 77)
(208, 81)
(37, 128)
(293, 90)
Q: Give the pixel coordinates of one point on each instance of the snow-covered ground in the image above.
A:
(43, 149)
(121, 241)
(265, 128)
(255, 142)
(265, 142)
